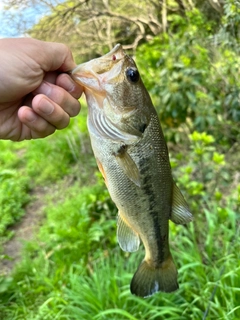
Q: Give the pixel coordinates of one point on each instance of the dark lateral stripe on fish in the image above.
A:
(157, 231)
(148, 188)
(144, 170)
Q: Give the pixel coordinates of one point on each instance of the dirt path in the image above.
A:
(24, 231)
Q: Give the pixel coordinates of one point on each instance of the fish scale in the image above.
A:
(131, 153)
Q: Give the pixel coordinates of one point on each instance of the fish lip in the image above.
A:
(117, 49)
(91, 74)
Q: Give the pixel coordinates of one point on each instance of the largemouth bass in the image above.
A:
(131, 153)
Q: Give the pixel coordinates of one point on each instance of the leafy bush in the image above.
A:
(75, 269)
(193, 77)
(207, 177)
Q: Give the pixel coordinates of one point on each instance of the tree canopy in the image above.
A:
(94, 26)
(188, 51)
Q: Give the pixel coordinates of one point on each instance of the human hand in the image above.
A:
(36, 96)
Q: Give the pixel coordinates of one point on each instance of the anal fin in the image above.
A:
(128, 239)
(180, 211)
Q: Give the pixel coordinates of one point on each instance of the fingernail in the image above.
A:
(46, 107)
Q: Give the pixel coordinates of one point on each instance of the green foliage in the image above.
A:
(39, 153)
(87, 212)
(70, 236)
(60, 152)
(192, 77)
(13, 196)
(74, 269)
(206, 176)
(214, 200)
(230, 23)
(41, 162)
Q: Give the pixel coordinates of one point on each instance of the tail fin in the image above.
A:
(148, 280)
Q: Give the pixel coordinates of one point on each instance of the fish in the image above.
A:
(132, 155)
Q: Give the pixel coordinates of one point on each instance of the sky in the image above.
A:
(9, 19)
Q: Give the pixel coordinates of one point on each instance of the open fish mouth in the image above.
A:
(98, 77)
(100, 70)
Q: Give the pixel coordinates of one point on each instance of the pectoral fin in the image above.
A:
(180, 211)
(128, 165)
(128, 239)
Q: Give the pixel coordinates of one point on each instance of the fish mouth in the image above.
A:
(92, 75)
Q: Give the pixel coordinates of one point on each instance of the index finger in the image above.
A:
(54, 56)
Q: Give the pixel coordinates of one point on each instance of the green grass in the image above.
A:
(74, 268)
(28, 164)
(14, 195)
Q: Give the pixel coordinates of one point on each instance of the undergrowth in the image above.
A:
(74, 268)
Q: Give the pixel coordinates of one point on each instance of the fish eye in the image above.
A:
(132, 75)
